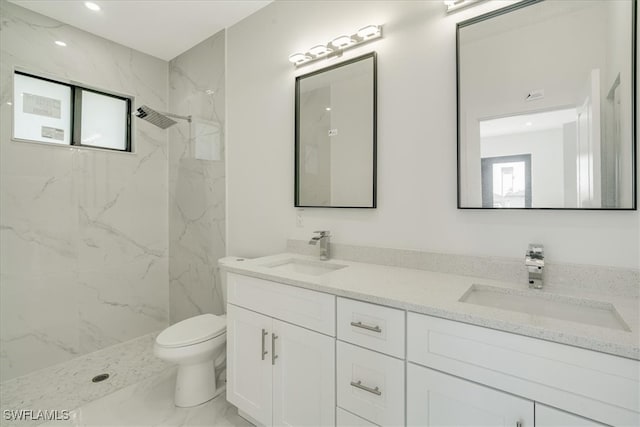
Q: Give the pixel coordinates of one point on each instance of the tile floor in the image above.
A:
(150, 403)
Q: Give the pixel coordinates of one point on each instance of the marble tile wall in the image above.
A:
(83, 233)
(196, 184)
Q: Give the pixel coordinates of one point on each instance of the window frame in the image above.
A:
(75, 114)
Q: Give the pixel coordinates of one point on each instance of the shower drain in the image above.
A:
(99, 378)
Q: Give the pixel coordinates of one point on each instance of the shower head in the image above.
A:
(158, 118)
(154, 117)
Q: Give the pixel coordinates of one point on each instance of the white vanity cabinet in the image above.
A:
(280, 373)
(435, 399)
(370, 362)
(249, 368)
(551, 417)
(500, 365)
(300, 357)
(438, 399)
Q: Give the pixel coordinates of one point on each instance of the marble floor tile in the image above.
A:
(150, 403)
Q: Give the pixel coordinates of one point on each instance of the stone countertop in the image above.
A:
(439, 294)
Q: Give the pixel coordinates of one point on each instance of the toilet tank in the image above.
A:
(223, 277)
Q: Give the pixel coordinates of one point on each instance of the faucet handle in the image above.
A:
(323, 233)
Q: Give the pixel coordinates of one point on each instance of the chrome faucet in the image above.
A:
(534, 260)
(323, 238)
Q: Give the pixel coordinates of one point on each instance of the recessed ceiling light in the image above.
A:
(60, 43)
(92, 6)
(9, 103)
(328, 108)
(528, 124)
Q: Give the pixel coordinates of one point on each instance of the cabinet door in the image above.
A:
(551, 417)
(437, 399)
(303, 377)
(249, 380)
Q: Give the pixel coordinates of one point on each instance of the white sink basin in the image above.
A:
(590, 312)
(308, 267)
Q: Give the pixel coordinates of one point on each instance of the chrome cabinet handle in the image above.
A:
(367, 327)
(359, 385)
(274, 337)
(264, 352)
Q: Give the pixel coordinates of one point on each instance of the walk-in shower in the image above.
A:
(160, 119)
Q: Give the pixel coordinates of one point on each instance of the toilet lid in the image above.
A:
(192, 331)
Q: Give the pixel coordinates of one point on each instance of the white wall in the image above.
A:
(416, 144)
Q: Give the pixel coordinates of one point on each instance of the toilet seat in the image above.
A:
(192, 331)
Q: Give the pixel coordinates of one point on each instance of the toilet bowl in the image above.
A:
(195, 345)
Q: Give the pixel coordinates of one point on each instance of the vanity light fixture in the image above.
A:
(369, 32)
(92, 6)
(342, 41)
(320, 50)
(453, 5)
(336, 46)
(299, 58)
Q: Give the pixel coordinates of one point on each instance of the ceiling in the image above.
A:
(523, 123)
(161, 28)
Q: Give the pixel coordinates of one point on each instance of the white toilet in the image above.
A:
(195, 345)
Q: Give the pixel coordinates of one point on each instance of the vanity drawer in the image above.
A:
(373, 326)
(595, 385)
(347, 419)
(310, 309)
(359, 373)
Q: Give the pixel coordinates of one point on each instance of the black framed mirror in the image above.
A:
(335, 135)
(551, 85)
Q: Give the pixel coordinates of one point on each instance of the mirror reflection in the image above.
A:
(545, 106)
(335, 135)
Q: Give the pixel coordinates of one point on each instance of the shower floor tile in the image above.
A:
(150, 403)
